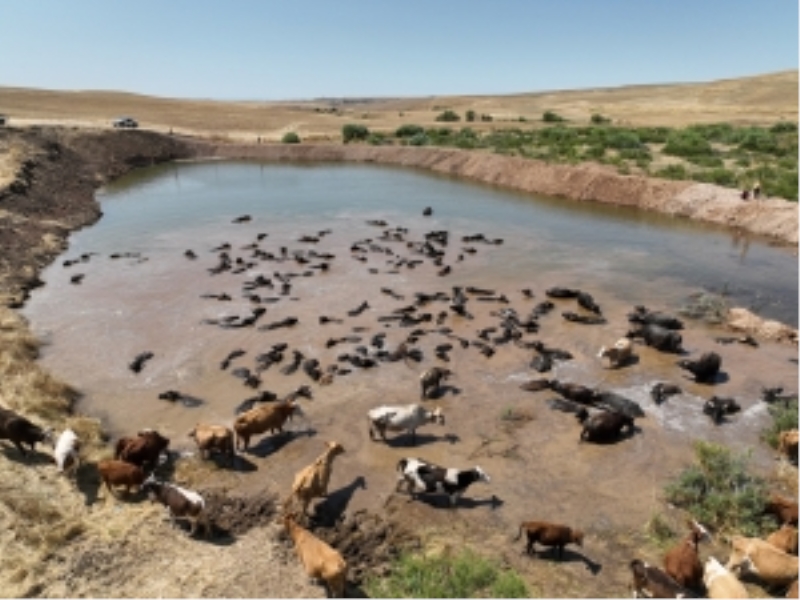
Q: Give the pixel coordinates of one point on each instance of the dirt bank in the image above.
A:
(775, 218)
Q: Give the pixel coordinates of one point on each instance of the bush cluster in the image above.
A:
(465, 575)
(719, 491)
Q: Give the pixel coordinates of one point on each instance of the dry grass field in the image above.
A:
(758, 100)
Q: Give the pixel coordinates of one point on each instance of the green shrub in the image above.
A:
(419, 139)
(352, 132)
(784, 416)
(470, 115)
(448, 116)
(673, 172)
(719, 491)
(720, 176)
(290, 138)
(784, 127)
(687, 143)
(376, 139)
(708, 162)
(486, 118)
(550, 117)
(408, 130)
(599, 119)
(465, 575)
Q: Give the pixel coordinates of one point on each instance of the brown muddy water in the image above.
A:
(150, 300)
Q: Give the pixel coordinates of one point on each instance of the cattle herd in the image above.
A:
(603, 416)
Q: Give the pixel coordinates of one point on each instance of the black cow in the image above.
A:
(660, 338)
(717, 408)
(604, 426)
(424, 477)
(644, 316)
(19, 430)
(705, 368)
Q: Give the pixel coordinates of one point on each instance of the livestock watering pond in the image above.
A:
(140, 292)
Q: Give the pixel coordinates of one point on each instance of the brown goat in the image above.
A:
(549, 534)
(270, 417)
(120, 473)
(682, 562)
(319, 559)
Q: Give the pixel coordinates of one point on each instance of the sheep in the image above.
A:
(312, 481)
(319, 559)
(549, 534)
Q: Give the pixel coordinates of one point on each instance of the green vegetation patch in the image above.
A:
(464, 575)
(719, 492)
(784, 417)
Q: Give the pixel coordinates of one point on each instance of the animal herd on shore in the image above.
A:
(604, 416)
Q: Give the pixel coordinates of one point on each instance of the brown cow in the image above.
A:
(115, 473)
(270, 417)
(549, 534)
(652, 582)
(682, 562)
(787, 444)
(784, 509)
(319, 559)
(312, 481)
(181, 503)
(142, 450)
(785, 539)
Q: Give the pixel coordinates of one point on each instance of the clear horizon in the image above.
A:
(312, 49)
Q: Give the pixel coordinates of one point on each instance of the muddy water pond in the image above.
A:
(140, 292)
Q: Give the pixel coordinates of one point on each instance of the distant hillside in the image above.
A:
(762, 100)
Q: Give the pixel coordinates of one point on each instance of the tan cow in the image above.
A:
(785, 539)
(213, 438)
(270, 417)
(619, 354)
(319, 559)
(721, 583)
(767, 563)
(787, 444)
(312, 482)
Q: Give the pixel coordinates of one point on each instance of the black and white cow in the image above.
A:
(423, 477)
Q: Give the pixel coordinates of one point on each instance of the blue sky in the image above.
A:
(293, 49)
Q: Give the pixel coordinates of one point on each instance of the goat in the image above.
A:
(682, 562)
(549, 534)
(401, 418)
(319, 560)
(312, 481)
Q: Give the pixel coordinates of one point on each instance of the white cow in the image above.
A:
(66, 452)
(401, 418)
(619, 354)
